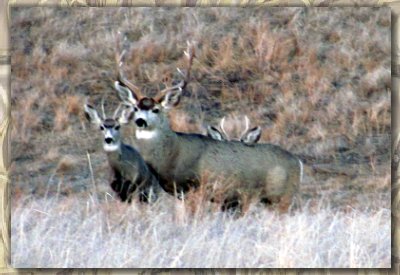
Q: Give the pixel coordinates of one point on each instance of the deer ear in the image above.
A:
(213, 133)
(91, 114)
(252, 136)
(125, 94)
(126, 116)
(171, 99)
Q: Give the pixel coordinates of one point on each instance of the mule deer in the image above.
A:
(248, 136)
(263, 171)
(130, 172)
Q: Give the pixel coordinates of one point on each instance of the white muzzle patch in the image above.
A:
(112, 147)
(145, 134)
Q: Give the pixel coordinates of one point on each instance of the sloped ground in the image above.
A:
(317, 81)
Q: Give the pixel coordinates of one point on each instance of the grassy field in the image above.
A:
(316, 80)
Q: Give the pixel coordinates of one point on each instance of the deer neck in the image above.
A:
(154, 136)
(115, 155)
(158, 147)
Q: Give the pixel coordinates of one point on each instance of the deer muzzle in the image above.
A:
(141, 123)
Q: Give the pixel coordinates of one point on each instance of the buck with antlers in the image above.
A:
(264, 172)
(248, 136)
(130, 172)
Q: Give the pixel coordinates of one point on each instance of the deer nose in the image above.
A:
(140, 122)
(108, 140)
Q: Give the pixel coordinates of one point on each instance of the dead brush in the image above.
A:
(211, 196)
(379, 115)
(225, 61)
(196, 202)
(223, 193)
(115, 213)
(64, 110)
(61, 119)
(74, 103)
(66, 164)
(182, 122)
(29, 119)
(52, 154)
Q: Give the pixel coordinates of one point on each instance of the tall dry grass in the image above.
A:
(77, 231)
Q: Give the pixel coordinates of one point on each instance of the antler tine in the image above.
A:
(247, 122)
(189, 54)
(116, 111)
(102, 107)
(119, 55)
(221, 125)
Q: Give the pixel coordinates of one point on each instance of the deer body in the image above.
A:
(264, 170)
(131, 174)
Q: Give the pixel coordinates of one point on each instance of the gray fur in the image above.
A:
(181, 160)
(131, 173)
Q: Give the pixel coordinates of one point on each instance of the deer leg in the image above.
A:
(144, 196)
(232, 205)
(266, 201)
(181, 189)
(126, 190)
(148, 194)
(116, 185)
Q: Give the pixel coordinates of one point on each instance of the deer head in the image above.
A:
(150, 113)
(248, 136)
(109, 126)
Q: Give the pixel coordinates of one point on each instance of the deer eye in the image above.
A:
(117, 127)
(156, 111)
(101, 127)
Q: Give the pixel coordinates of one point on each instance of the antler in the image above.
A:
(102, 107)
(116, 111)
(119, 62)
(221, 125)
(189, 54)
(247, 121)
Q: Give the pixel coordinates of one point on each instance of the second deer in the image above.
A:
(131, 174)
(248, 136)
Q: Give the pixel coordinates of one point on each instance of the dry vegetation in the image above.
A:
(317, 81)
(78, 231)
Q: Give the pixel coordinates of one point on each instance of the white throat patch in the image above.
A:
(110, 147)
(145, 134)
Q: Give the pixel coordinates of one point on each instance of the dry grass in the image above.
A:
(66, 164)
(316, 80)
(78, 232)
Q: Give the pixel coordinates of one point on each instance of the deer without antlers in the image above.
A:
(264, 172)
(130, 172)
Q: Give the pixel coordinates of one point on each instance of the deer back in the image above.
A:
(250, 166)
